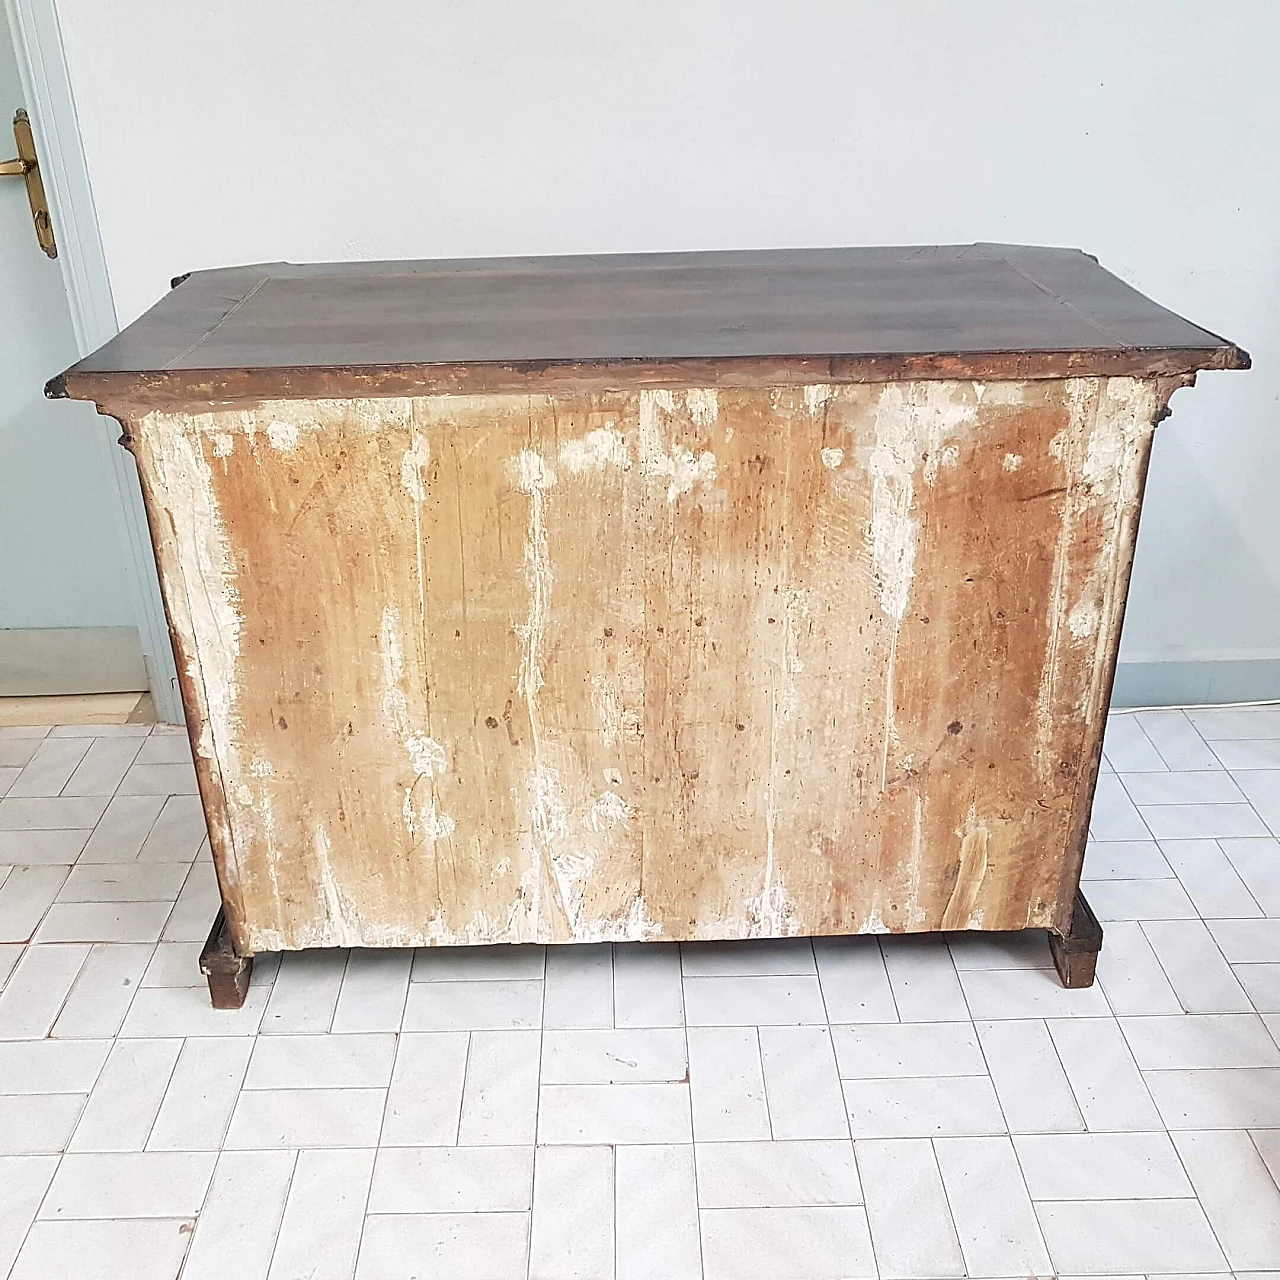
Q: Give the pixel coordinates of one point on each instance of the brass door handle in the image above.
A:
(27, 166)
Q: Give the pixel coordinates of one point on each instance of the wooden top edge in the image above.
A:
(120, 393)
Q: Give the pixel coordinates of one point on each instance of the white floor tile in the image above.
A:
(443, 1246)
(323, 1216)
(202, 1093)
(1248, 941)
(1210, 879)
(1261, 983)
(756, 1001)
(1029, 993)
(424, 1102)
(1104, 1078)
(42, 848)
(500, 1093)
(8, 777)
(305, 992)
(1101, 1166)
(374, 988)
(755, 958)
(103, 922)
(1190, 956)
(613, 1056)
(452, 1180)
(10, 954)
(1203, 1040)
(802, 1084)
(123, 882)
(1032, 1087)
(1261, 787)
(1111, 1237)
(855, 983)
(159, 780)
(16, 752)
(1176, 739)
(322, 1062)
(656, 1225)
(1200, 786)
(241, 1217)
(1201, 821)
(578, 988)
(911, 1226)
(997, 1227)
(1225, 1098)
(1248, 753)
(1114, 816)
(1128, 747)
(196, 907)
(572, 1230)
(765, 1175)
(1257, 862)
(939, 1106)
(726, 1084)
(186, 1011)
(478, 964)
(34, 995)
(37, 1123)
(123, 829)
(1218, 723)
(1238, 1196)
(177, 964)
(19, 813)
(140, 1248)
(178, 832)
(165, 748)
(25, 897)
(1130, 975)
(488, 1006)
(135, 1184)
(103, 991)
(269, 1119)
(1138, 900)
(813, 1243)
(1125, 860)
(102, 767)
(127, 1096)
(923, 979)
(647, 990)
(908, 1049)
(23, 1182)
(49, 768)
(588, 1114)
(51, 1066)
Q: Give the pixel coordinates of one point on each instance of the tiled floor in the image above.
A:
(902, 1108)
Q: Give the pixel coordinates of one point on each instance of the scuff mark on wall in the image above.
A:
(974, 839)
(413, 468)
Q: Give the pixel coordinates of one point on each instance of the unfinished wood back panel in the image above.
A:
(649, 664)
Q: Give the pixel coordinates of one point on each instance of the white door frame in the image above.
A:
(42, 70)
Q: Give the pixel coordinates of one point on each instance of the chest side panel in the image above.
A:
(647, 664)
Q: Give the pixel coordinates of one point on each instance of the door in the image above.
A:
(67, 619)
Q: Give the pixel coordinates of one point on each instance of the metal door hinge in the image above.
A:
(27, 166)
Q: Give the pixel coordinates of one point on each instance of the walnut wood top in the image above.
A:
(724, 318)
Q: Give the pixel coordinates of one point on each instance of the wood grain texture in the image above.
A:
(649, 663)
(726, 319)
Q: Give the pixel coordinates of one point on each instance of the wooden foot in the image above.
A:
(227, 972)
(1075, 953)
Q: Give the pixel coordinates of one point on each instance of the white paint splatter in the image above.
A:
(597, 449)
(816, 397)
(413, 468)
(609, 810)
(613, 777)
(530, 473)
(1083, 620)
(1012, 461)
(427, 756)
(832, 458)
(259, 768)
(703, 405)
(224, 444)
(684, 469)
(283, 436)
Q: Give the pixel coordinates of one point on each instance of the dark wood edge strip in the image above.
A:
(117, 391)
